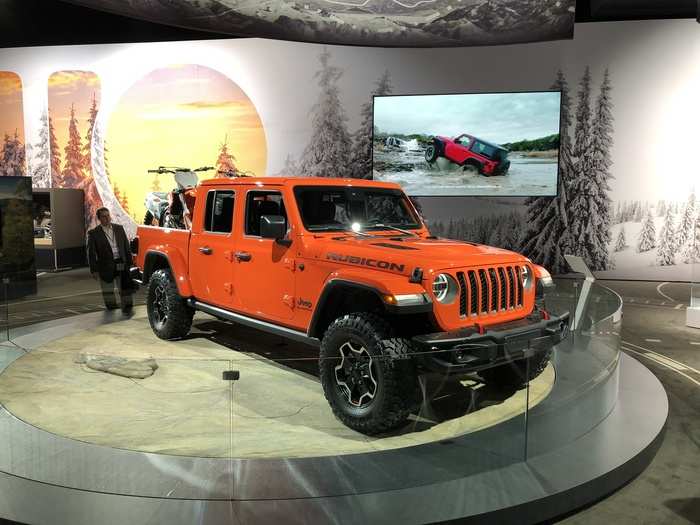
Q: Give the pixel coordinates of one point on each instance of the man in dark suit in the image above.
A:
(109, 257)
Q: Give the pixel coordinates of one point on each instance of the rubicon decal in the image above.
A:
(362, 261)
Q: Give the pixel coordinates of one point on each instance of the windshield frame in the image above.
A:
(366, 229)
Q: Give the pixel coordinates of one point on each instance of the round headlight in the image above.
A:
(444, 288)
(527, 277)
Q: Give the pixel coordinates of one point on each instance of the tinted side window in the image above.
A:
(218, 216)
(259, 203)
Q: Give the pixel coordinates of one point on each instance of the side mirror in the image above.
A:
(273, 227)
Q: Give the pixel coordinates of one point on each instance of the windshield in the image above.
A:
(337, 208)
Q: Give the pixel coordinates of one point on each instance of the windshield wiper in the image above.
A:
(330, 228)
(405, 232)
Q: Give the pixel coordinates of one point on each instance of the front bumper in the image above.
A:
(468, 350)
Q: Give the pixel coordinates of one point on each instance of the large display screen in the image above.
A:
(491, 144)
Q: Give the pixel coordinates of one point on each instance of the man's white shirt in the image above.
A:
(111, 237)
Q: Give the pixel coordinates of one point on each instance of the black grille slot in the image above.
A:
(462, 293)
(511, 286)
(503, 288)
(473, 294)
(484, 292)
(519, 281)
(493, 281)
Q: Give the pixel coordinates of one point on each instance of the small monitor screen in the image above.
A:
(487, 144)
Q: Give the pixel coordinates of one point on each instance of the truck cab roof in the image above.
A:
(298, 181)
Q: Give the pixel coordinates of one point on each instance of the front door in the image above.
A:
(211, 250)
(264, 268)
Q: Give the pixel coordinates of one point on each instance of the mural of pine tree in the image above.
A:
(291, 167)
(666, 253)
(685, 228)
(93, 201)
(647, 237)
(225, 165)
(326, 154)
(691, 254)
(41, 158)
(589, 209)
(547, 237)
(55, 154)
(661, 209)
(361, 155)
(621, 242)
(601, 162)
(73, 173)
(12, 157)
(87, 147)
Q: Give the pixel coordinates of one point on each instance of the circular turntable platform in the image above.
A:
(276, 409)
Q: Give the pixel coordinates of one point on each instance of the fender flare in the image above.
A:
(176, 263)
(337, 283)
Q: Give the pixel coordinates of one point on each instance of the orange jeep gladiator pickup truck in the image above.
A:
(350, 265)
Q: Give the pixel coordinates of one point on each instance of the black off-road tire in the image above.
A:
(432, 152)
(163, 298)
(148, 219)
(517, 373)
(397, 392)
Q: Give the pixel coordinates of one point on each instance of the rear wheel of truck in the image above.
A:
(517, 373)
(368, 378)
(168, 313)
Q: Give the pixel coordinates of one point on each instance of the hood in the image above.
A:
(402, 254)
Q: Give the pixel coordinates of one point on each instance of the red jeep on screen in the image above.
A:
(472, 153)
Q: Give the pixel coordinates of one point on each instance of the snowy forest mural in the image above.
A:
(12, 154)
(265, 107)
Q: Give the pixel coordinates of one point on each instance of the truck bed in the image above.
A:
(164, 240)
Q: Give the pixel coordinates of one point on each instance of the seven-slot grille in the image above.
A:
(489, 290)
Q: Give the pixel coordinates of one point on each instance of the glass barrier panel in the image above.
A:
(584, 365)
(693, 314)
(364, 411)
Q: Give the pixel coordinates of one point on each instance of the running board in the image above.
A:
(270, 328)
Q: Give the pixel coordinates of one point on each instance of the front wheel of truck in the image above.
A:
(168, 313)
(517, 373)
(368, 378)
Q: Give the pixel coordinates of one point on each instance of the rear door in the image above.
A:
(265, 268)
(211, 249)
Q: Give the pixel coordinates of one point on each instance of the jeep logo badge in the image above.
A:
(362, 261)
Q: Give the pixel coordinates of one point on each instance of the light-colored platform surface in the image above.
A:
(274, 411)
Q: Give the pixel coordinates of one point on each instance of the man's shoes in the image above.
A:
(128, 311)
(111, 306)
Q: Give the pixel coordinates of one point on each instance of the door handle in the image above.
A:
(205, 250)
(243, 256)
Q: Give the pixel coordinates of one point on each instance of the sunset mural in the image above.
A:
(74, 99)
(186, 116)
(12, 152)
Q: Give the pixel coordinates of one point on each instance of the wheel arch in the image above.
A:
(337, 298)
(471, 161)
(343, 295)
(158, 259)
